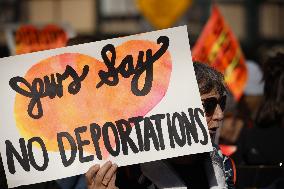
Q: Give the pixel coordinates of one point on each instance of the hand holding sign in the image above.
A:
(123, 100)
(102, 177)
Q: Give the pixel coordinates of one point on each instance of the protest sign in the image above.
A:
(129, 100)
(26, 38)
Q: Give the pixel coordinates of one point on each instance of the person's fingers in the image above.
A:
(91, 173)
(111, 183)
(108, 176)
(101, 173)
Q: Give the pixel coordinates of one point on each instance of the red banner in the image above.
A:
(29, 38)
(218, 47)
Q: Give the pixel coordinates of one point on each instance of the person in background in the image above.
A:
(262, 144)
(207, 170)
(241, 114)
(271, 112)
(254, 89)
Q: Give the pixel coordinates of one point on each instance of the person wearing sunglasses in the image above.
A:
(207, 170)
(213, 95)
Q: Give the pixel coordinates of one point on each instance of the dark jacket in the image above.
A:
(212, 170)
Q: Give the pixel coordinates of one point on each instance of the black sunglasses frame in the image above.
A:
(210, 104)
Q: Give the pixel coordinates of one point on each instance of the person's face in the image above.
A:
(214, 106)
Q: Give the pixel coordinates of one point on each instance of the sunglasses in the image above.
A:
(210, 104)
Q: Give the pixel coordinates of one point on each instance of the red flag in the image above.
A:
(29, 38)
(218, 47)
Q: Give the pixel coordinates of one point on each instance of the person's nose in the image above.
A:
(218, 113)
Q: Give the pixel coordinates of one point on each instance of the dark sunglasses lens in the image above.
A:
(209, 105)
(222, 103)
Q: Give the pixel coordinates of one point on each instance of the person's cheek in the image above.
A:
(208, 121)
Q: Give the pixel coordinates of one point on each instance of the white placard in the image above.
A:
(64, 110)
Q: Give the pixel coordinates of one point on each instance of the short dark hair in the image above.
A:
(209, 79)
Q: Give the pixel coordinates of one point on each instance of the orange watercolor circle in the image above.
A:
(90, 104)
